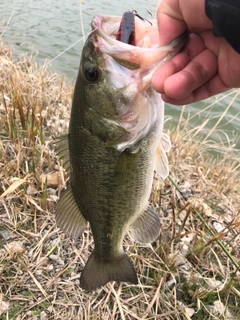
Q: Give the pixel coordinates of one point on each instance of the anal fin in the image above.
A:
(98, 271)
(161, 160)
(68, 216)
(146, 228)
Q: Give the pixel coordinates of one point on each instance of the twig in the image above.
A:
(207, 226)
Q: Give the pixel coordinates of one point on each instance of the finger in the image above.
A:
(213, 87)
(193, 48)
(228, 59)
(177, 64)
(197, 72)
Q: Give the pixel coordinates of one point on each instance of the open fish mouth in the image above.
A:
(145, 53)
(128, 70)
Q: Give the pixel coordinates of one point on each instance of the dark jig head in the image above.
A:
(126, 31)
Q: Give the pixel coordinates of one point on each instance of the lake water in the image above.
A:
(46, 28)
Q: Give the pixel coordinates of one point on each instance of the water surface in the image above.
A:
(46, 28)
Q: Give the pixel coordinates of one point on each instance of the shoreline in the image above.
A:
(185, 274)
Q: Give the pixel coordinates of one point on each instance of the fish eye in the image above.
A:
(92, 73)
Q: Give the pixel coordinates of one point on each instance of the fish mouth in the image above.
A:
(128, 69)
(146, 54)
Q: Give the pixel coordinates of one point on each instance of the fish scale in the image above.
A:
(115, 144)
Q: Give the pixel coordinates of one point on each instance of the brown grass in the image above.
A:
(190, 272)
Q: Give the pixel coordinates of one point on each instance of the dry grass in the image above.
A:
(191, 272)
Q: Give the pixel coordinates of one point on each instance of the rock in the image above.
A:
(53, 179)
(31, 190)
(218, 226)
(43, 315)
(189, 311)
(214, 284)
(14, 247)
(57, 259)
(4, 306)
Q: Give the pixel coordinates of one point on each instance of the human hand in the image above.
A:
(206, 66)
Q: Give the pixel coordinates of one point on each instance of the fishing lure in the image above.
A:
(126, 31)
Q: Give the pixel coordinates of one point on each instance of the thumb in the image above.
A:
(171, 23)
(174, 16)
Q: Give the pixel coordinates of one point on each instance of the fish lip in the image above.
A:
(97, 25)
(129, 56)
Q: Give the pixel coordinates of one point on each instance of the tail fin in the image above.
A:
(98, 272)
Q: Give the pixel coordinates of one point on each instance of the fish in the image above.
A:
(114, 146)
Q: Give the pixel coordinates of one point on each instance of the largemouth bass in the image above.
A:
(114, 144)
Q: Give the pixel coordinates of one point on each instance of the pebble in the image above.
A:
(217, 226)
(43, 315)
(57, 259)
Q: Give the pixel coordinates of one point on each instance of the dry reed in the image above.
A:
(185, 274)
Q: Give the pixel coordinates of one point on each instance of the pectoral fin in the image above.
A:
(68, 216)
(62, 150)
(161, 161)
(147, 227)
